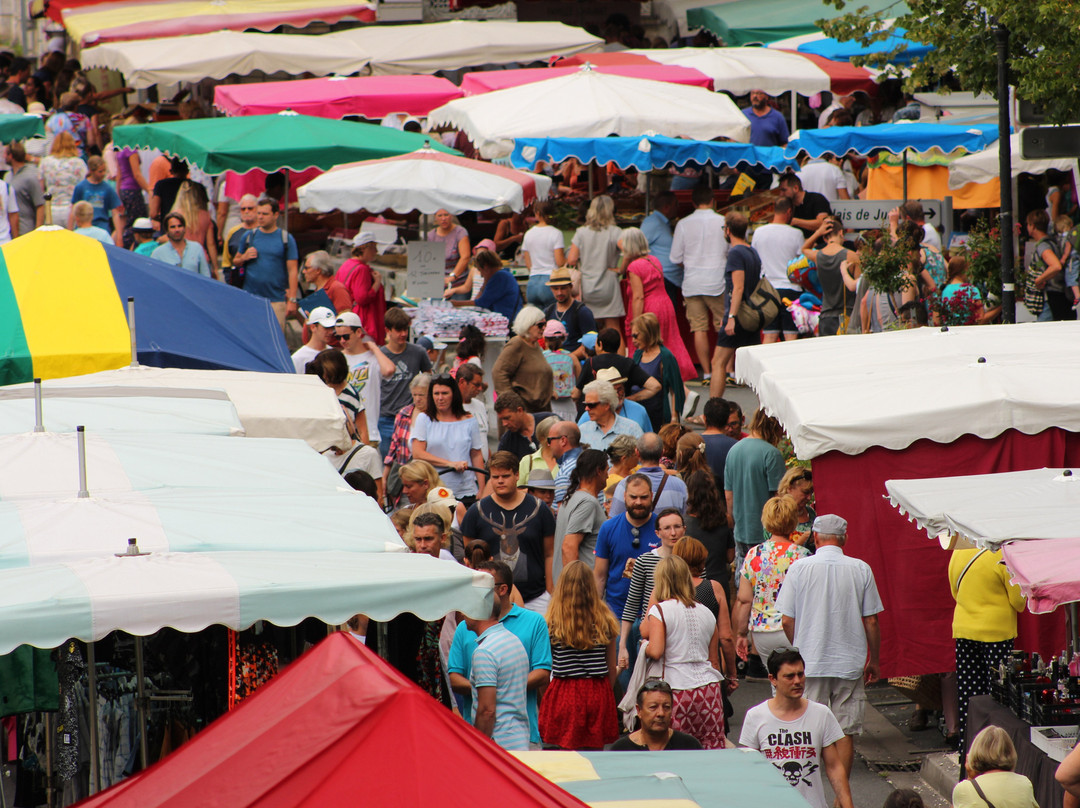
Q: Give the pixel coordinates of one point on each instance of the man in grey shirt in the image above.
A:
(581, 515)
(25, 180)
(409, 360)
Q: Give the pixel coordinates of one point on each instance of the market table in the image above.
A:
(1031, 761)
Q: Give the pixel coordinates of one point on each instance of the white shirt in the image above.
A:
(824, 178)
(365, 376)
(777, 245)
(828, 595)
(303, 355)
(932, 237)
(10, 205)
(699, 245)
(478, 407)
(540, 243)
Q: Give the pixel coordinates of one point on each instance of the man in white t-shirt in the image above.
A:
(777, 244)
(823, 176)
(798, 736)
(470, 380)
(367, 365)
(321, 322)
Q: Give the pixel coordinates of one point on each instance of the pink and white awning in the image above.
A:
(486, 81)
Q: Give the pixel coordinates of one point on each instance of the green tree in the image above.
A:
(1044, 62)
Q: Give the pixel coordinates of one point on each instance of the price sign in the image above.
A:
(426, 270)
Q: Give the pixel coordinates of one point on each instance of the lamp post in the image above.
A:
(1005, 219)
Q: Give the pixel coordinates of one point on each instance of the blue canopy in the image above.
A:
(892, 137)
(839, 51)
(645, 152)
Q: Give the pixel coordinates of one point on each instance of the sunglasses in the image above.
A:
(554, 437)
(591, 404)
(636, 533)
(806, 474)
(654, 683)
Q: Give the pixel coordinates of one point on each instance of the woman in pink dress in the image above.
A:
(643, 290)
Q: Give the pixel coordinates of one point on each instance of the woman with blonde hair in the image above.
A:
(192, 203)
(578, 709)
(622, 454)
(683, 638)
(542, 458)
(61, 170)
(798, 483)
(595, 251)
(663, 364)
(991, 779)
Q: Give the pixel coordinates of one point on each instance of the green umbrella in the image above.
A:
(747, 22)
(271, 142)
(20, 127)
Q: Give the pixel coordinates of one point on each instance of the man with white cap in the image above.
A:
(322, 321)
(143, 229)
(627, 408)
(367, 365)
(829, 605)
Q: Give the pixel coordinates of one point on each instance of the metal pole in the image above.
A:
(144, 746)
(95, 763)
(794, 112)
(39, 422)
(905, 175)
(1005, 219)
(80, 439)
(1074, 630)
(131, 330)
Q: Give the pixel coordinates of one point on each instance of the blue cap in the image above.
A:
(425, 343)
(589, 340)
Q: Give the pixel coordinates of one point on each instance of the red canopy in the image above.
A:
(844, 77)
(337, 727)
(609, 58)
(372, 97)
(485, 81)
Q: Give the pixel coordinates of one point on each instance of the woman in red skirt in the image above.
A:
(578, 709)
(682, 635)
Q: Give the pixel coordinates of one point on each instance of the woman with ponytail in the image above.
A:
(581, 513)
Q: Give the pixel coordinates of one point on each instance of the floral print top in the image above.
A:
(765, 567)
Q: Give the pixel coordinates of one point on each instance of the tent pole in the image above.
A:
(144, 745)
(1074, 629)
(39, 421)
(591, 165)
(131, 330)
(648, 183)
(905, 175)
(80, 440)
(794, 111)
(285, 202)
(95, 762)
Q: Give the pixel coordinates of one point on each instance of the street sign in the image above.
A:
(865, 214)
(1049, 142)
(427, 269)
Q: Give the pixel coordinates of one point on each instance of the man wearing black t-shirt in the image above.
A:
(809, 209)
(654, 705)
(641, 383)
(743, 271)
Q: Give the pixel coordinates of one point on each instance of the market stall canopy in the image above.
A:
(118, 21)
(431, 47)
(984, 166)
(591, 104)
(269, 405)
(47, 605)
(426, 181)
(740, 70)
(973, 380)
(843, 51)
(174, 60)
(372, 97)
(486, 81)
(20, 127)
(1047, 572)
(181, 318)
(336, 711)
(270, 142)
(142, 409)
(750, 22)
(647, 152)
(891, 137)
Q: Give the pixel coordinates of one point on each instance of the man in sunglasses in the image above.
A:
(624, 538)
(233, 242)
(654, 706)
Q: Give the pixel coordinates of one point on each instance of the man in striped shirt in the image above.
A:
(500, 670)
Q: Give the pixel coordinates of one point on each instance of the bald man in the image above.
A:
(235, 237)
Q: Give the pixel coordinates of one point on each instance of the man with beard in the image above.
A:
(573, 314)
(799, 736)
(768, 127)
(624, 538)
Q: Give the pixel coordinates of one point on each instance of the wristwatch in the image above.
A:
(293, 299)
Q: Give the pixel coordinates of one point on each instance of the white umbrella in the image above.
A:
(270, 405)
(46, 605)
(740, 70)
(983, 166)
(591, 104)
(425, 180)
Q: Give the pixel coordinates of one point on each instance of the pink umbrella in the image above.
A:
(372, 97)
(1047, 571)
(486, 81)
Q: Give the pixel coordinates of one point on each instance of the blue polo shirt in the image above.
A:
(501, 293)
(531, 629)
(629, 409)
(616, 544)
(657, 229)
(770, 129)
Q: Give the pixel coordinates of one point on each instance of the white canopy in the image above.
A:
(591, 104)
(991, 509)
(172, 60)
(48, 604)
(740, 70)
(431, 47)
(849, 393)
(983, 166)
(270, 405)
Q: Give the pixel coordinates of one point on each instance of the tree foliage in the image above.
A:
(1044, 62)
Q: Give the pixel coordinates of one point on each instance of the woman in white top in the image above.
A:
(447, 436)
(542, 251)
(682, 634)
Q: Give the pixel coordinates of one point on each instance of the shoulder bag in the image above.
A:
(760, 307)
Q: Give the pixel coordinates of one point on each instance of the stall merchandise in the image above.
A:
(445, 323)
(181, 319)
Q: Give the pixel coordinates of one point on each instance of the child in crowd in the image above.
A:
(469, 349)
(566, 368)
(1068, 242)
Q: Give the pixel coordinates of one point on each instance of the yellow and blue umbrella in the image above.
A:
(63, 313)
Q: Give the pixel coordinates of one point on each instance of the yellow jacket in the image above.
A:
(986, 603)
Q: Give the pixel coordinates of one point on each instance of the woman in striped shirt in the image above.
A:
(578, 709)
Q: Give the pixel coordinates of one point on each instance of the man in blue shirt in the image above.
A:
(108, 209)
(270, 264)
(628, 409)
(529, 627)
(768, 127)
(625, 538)
(657, 229)
(178, 251)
